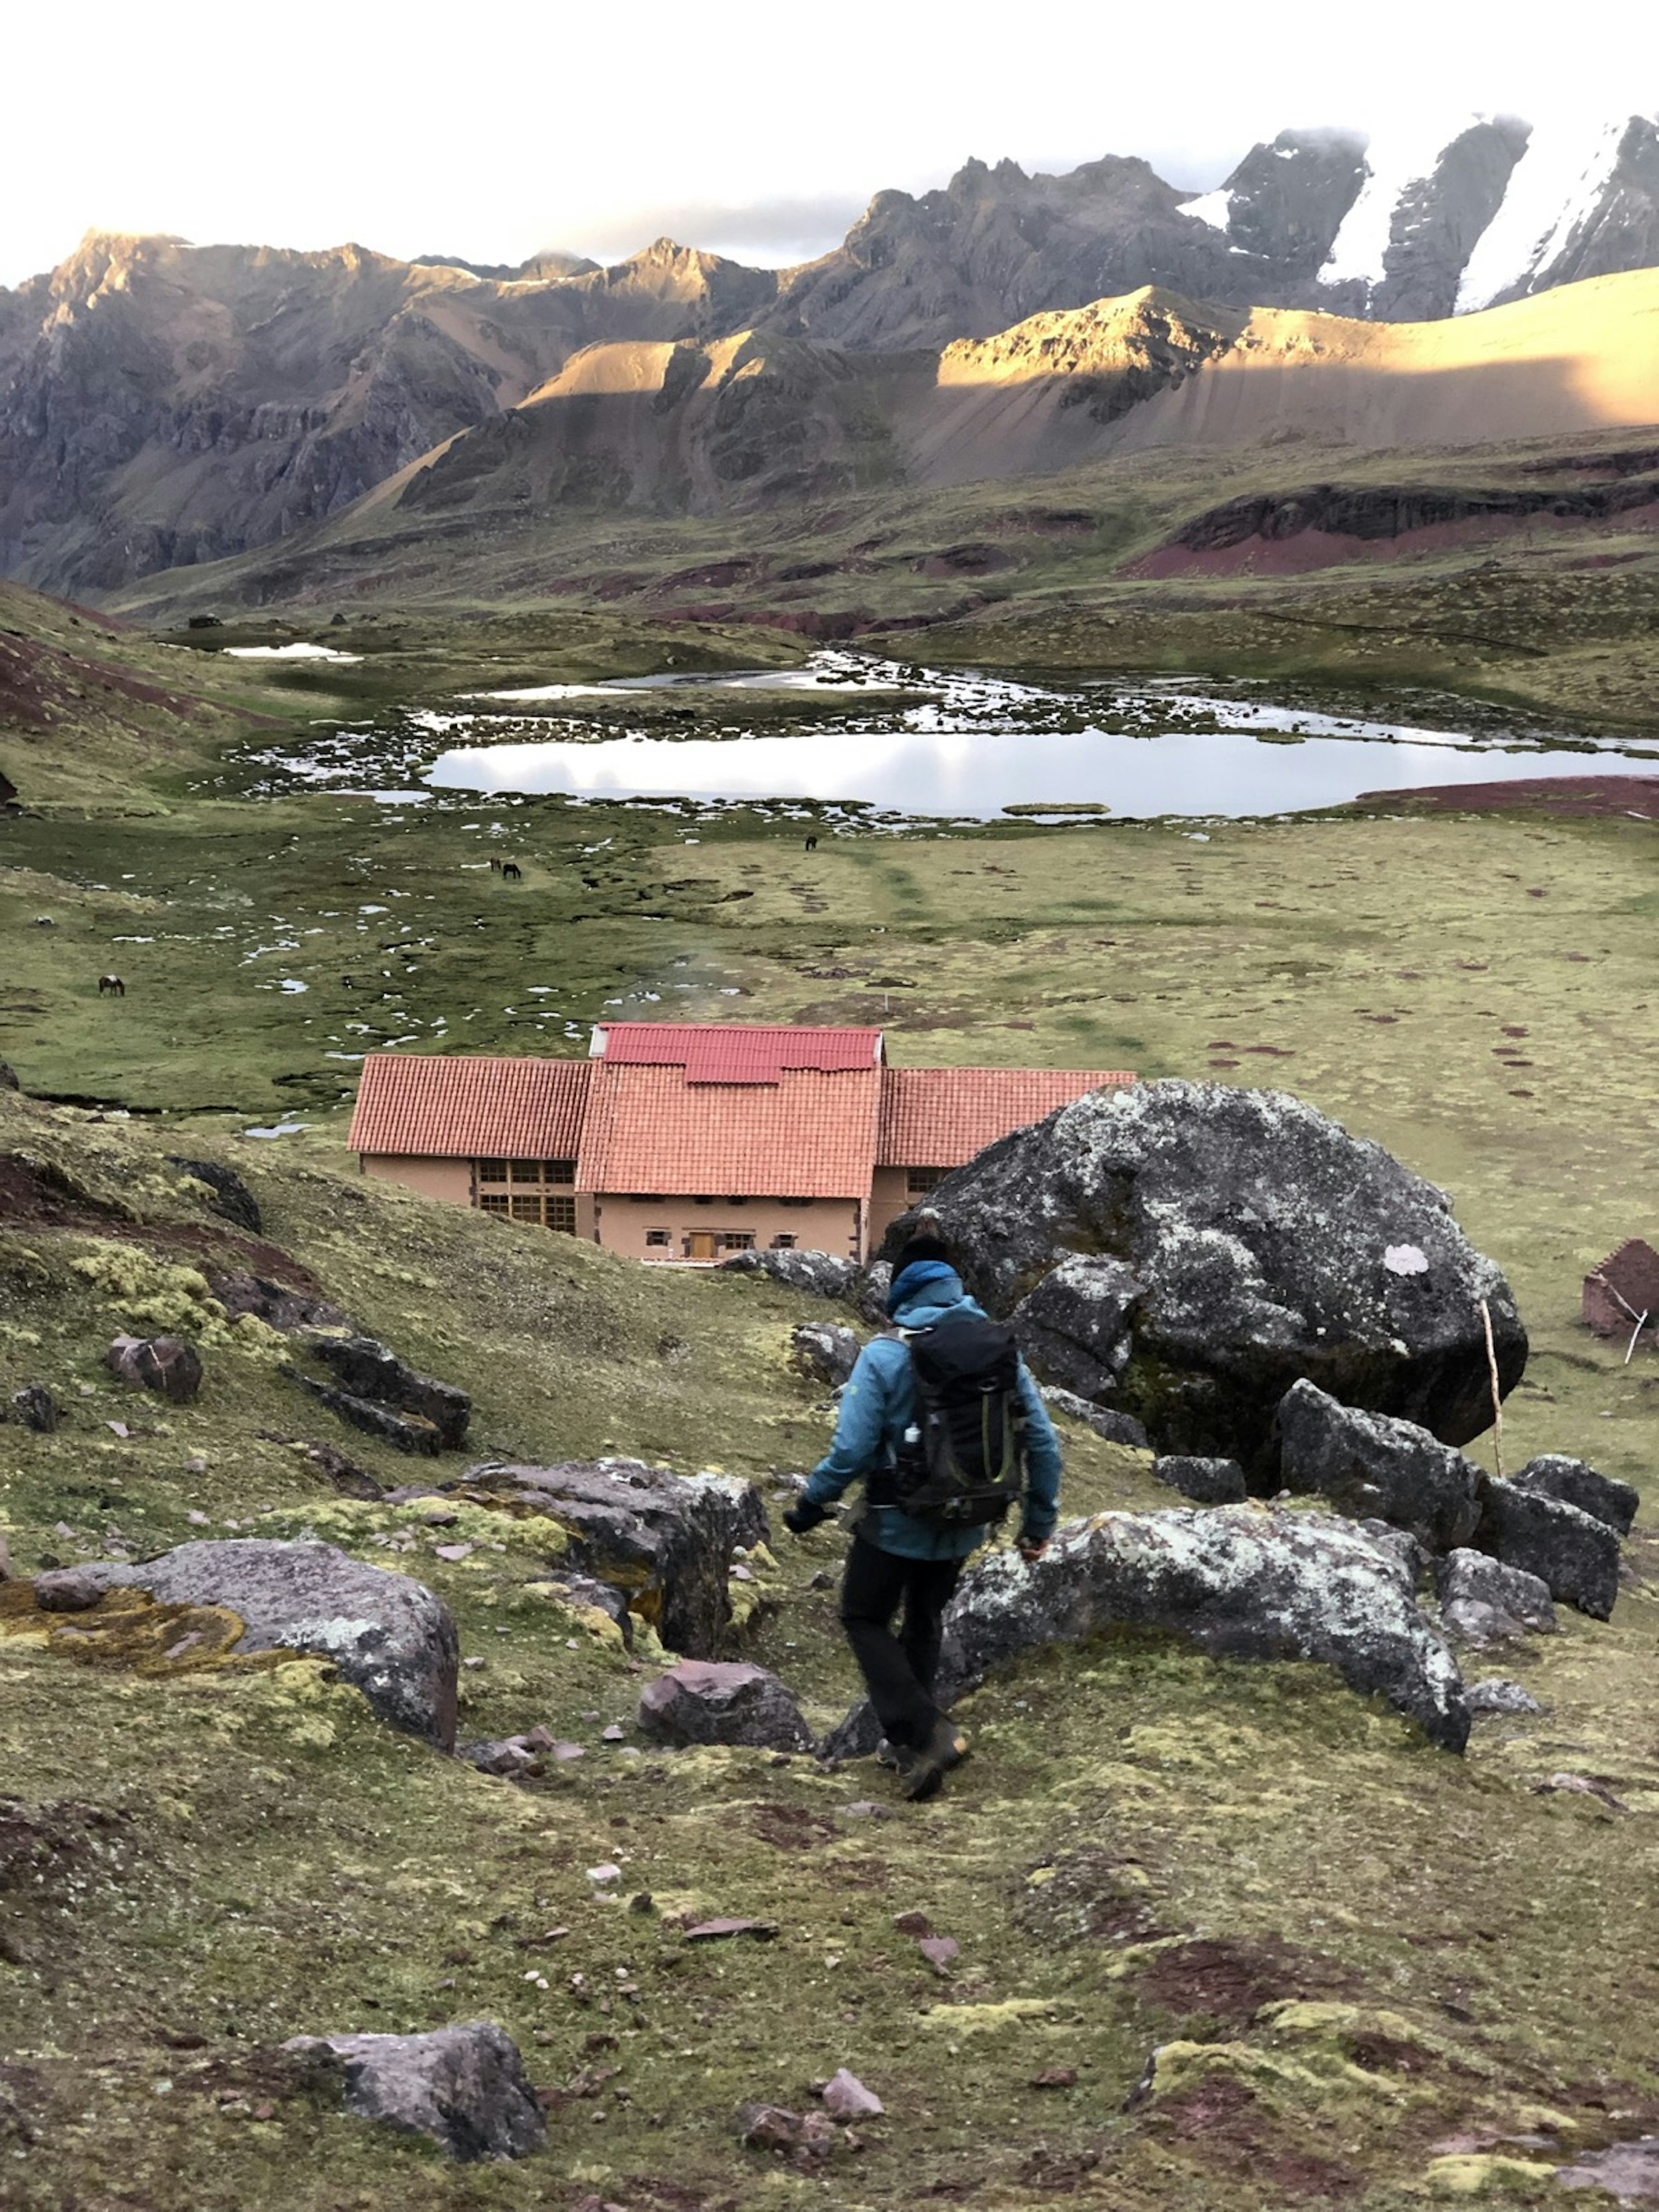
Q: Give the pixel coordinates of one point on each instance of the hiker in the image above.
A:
(934, 1486)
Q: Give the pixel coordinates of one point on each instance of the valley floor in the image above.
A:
(1391, 1976)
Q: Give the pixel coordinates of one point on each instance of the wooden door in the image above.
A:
(702, 1244)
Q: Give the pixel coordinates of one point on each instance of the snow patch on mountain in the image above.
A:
(1555, 188)
(1404, 157)
(1214, 208)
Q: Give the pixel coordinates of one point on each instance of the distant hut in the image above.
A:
(1622, 1291)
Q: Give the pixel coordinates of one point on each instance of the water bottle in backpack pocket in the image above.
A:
(962, 1464)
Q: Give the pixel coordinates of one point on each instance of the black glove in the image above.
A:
(805, 1515)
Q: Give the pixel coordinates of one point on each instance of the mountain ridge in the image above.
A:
(164, 405)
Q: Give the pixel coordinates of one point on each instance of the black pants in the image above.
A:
(899, 1671)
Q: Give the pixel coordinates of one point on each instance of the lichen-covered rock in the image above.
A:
(701, 1701)
(1116, 1428)
(166, 1364)
(1205, 1481)
(380, 1394)
(824, 1352)
(36, 1408)
(820, 1274)
(868, 1294)
(231, 1196)
(388, 1636)
(1482, 1600)
(666, 1541)
(1498, 1695)
(1373, 1464)
(1241, 1581)
(1258, 1233)
(465, 2087)
(1552, 1474)
(1576, 1555)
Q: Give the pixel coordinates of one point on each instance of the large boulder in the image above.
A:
(1484, 1601)
(1573, 1553)
(166, 1364)
(1371, 1464)
(465, 2087)
(385, 1397)
(1603, 1496)
(35, 1407)
(1241, 1581)
(1113, 1427)
(231, 1196)
(820, 1275)
(824, 1352)
(1210, 1247)
(1205, 1481)
(388, 1636)
(701, 1701)
(666, 1541)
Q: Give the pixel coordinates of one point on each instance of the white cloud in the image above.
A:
(407, 126)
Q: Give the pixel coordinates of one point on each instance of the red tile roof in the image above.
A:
(740, 1052)
(808, 1134)
(938, 1117)
(470, 1107)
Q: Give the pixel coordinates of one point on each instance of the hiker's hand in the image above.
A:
(1032, 1547)
(804, 1516)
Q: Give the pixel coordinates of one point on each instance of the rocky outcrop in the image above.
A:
(35, 1407)
(701, 1701)
(1191, 1250)
(823, 1354)
(1484, 1601)
(1576, 1483)
(820, 1274)
(166, 1364)
(465, 2087)
(1240, 1582)
(387, 1635)
(666, 1541)
(1572, 1553)
(1371, 1464)
(381, 1394)
(1112, 1426)
(231, 1196)
(1205, 1481)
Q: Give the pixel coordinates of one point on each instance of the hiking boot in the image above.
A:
(926, 1769)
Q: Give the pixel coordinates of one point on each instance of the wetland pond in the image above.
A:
(899, 742)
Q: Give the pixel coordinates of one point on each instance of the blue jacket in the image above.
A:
(879, 1405)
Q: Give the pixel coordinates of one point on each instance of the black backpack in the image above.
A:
(967, 1464)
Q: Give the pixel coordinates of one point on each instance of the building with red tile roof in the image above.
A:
(688, 1141)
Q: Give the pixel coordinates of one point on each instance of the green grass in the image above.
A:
(280, 1863)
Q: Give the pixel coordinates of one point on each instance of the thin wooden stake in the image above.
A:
(1497, 1402)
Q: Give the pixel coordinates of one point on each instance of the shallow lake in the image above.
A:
(953, 745)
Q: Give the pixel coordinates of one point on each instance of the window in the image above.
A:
(560, 1214)
(737, 1201)
(559, 1170)
(658, 1238)
(535, 1196)
(526, 1170)
(794, 1201)
(918, 1181)
(702, 1201)
(645, 1198)
(492, 1171)
(783, 1244)
(736, 1240)
(493, 1205)
(526, 1209)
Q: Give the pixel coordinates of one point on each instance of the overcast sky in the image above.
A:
(757, 128)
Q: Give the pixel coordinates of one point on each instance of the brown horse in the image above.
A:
(111, 987)
(511, 873)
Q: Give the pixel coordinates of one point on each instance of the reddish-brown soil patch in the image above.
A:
(1314, 548)
(36, 1197)
(792, 1827)
(1230, 1981)
(1590, 794)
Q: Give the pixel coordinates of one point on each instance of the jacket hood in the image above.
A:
(933, 1302)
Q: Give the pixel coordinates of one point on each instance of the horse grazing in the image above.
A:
(111, 987)
(511, 873)
(495, 865)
